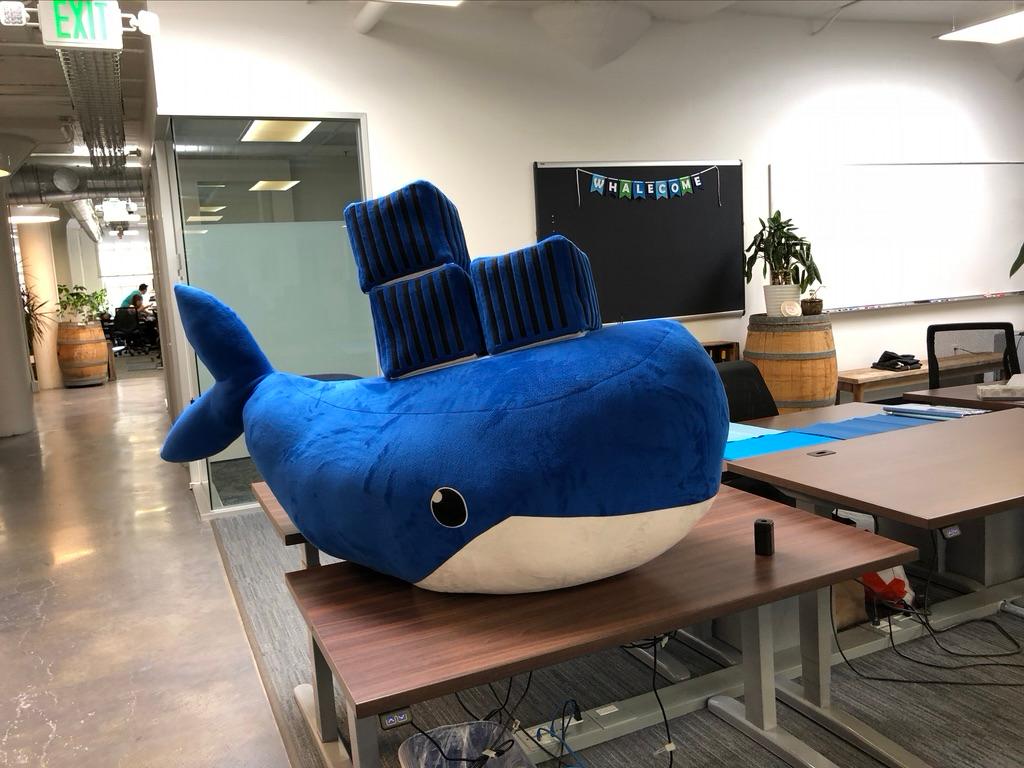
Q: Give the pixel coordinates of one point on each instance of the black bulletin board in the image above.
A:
(674, 257)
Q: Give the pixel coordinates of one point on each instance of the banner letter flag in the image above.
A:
(638, 190)
(674, 188)
(597, 184)
(684, 185)
(625, 188)
(612, 187)
(662, 189)
(697, 183)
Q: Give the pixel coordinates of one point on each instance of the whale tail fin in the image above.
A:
(231, 354)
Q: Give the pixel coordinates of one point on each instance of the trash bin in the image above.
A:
(467, 740)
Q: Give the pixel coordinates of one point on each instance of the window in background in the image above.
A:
(124, 264)
(262, 202)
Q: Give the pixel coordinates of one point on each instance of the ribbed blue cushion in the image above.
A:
(535, 294)
(413, 229)
(425, 321)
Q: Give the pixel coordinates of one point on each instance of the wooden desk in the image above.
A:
(964, 396)
(930, 476)
(391, 645)
(857, 381)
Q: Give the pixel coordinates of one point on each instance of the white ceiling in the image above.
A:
(895, 11)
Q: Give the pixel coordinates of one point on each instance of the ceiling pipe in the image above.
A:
(85, 215)
(369, 15)
(64, 185)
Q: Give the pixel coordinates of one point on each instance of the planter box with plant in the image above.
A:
(786, 259)
(81, 346)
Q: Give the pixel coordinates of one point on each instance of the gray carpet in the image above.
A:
(950, 727)
(233, 479)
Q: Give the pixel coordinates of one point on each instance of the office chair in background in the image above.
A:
(951, 339)
(749, 398)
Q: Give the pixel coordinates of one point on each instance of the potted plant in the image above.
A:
(812, 305)
(81, 345)
(786, 258)
(37, 318)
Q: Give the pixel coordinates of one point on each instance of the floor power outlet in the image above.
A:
(399, 717)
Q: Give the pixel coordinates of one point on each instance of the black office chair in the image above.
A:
(128, 331)
(749, 398)
(748, 395)
(938, 338)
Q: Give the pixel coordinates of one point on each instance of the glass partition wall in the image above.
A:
(261, 210)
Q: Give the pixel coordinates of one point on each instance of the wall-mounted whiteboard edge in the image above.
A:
(922, 302)
(612, 164)
(919, 302)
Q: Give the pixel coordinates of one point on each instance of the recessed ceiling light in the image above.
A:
(33, 214)
(210, 185)
(201, 219)
(273, 186)
(4, 172)
(279, 130)
(196, 231)
(211, 208)
(994, 31)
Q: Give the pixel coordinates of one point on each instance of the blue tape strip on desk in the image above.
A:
(783, 441)
(861, 426)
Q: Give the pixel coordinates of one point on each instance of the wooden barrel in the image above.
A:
(796, 357)
(82, 354)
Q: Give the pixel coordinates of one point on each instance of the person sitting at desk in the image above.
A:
(130, 298)
(137, 304)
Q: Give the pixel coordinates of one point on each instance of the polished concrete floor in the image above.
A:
(120, 644)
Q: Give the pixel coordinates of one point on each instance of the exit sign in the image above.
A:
(80, 24)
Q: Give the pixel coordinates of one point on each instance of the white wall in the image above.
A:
(470, 97)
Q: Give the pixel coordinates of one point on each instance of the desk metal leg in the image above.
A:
(310, 556)
(316, 702)
(362, 734)
(756, 717)
(814, 699)
(323, 694)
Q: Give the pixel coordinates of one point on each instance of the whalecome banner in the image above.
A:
(657, 189)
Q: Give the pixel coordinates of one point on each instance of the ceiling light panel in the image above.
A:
(211, 208)
(995, 31)
(273, 186)
(201, 219)
(279, 130)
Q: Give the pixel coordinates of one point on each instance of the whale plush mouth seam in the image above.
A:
(563, 458)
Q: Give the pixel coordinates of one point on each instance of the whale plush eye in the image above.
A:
(448, 507)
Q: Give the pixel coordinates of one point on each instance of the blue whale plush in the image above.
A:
(513, 445)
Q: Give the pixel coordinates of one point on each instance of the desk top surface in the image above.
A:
(963, 396)
(870, 375)
(283, 525)
(929, 476)
(391, 644)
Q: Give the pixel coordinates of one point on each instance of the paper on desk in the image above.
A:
(782, 441)
(747, 431)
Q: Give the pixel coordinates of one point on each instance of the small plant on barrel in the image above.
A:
(786, 259)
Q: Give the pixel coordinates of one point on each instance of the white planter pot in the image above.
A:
(774, 295)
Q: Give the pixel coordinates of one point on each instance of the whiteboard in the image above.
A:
(891, 235)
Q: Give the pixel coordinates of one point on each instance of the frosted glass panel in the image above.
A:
(294, 285)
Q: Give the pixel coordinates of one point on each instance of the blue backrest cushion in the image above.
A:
(535, 294)
(411, 230)
(425, 321)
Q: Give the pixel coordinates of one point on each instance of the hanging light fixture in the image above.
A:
(33, 214)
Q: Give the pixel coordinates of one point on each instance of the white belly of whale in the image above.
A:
(533, 554)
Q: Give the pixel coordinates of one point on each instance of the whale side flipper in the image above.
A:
(229, 351)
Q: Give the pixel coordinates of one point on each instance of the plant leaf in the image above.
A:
(1019, 262)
